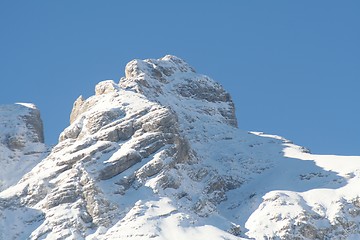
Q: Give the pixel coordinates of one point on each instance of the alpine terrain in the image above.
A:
(159, 156)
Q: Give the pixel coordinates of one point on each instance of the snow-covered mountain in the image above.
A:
(159, 156)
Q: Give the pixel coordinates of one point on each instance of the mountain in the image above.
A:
(159, 155)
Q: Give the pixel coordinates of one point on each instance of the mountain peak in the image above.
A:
(159, 156)
(157, 68)
(172, 81)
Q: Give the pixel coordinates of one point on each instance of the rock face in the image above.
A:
(20, 124)
(159, 156)
(21, 141)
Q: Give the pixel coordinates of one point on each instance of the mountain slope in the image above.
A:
(159, 156)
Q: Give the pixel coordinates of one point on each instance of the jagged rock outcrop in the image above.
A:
(20, 125)
(159, 156)
(21, 141)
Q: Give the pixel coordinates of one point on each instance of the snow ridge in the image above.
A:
(159, 156)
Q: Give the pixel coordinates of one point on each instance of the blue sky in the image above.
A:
(292, 67)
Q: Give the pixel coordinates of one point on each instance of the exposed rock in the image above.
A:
(21, 141)
(97, 120)
(203, 89)
(117, 166)
(105, 87)
(21, 124)
(77, 110)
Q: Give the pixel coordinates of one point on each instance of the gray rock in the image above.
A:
(203, 89)
(105, 87)
(77, 109)
(34, 123)
(23, 125)
(97, 120)
(119, 165)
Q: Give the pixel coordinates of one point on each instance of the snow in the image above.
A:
(329, 179)
(159, 220)
(15, 222)
(28, 105)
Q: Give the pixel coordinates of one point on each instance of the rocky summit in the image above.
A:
(159, 155)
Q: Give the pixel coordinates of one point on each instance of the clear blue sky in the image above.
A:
(292, 67)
